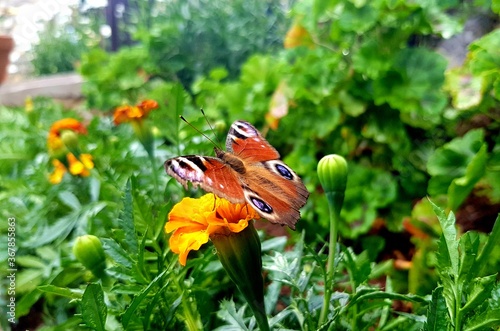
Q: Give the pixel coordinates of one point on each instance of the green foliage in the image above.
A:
(113, 79)
(60, 45)
(188, 39)
(457, 166)
(470, 297)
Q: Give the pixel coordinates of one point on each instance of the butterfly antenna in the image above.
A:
(210, 125)
(191, 125)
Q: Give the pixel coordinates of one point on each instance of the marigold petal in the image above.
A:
(182, 243)
(57, 175)
(148, 105)
(193, 221)
(67, 124)
(87, 161)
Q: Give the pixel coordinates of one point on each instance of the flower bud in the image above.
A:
(332, 173)
(70, 140)
(89, 252)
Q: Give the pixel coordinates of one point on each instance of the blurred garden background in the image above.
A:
(408, 92)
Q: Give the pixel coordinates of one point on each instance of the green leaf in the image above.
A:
(465, 89)
(457, 159)
(437, 313)
(414, 86)
(358, 266)
(70, 200)
(138, 299)
(479, 291)
(488, 248)
(448, 255)
(461, 187)
(62, 291)
(127, 221)
(486, 320)
(94, 310)
(117, 253)
(469, 247)
(358, 19)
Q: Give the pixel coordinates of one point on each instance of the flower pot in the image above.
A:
(6, 46)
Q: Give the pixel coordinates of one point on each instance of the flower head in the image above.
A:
(54, 140)
(80, 166)
(194, 221)
(129, 113)
(229, 226)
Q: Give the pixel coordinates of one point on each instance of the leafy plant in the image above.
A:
(465, 299)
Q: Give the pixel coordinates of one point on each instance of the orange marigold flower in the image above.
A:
(54, 140)
(77, 167)
(194, 221)
(128, 113)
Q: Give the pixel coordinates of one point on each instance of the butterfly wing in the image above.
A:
(210, 173)
(275, 192)
(244, 141)
(270, 186)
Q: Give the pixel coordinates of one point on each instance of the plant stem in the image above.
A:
(334, 220)
(153, 173)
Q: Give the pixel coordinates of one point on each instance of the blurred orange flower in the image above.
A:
(129, 113)
(77, 167)
(194, 221)
(54, 140)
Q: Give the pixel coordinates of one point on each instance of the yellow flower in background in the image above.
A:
(57, 175)
(298, 36)
(194, 221)
(128, 113)
(62, 143)
(77, 167)
(80, 166)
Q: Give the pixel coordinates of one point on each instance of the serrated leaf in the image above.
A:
(448, 243)
(127, 221)
(138, 299)
(469, 248)
(94, 310)
(358, 266)
(486, 320)
(117, 253)
(437, 313)
(493, 240)
(62, 291)
(479, 291)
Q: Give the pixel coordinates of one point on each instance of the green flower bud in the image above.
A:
(89, 252)
(70, 139)
(240, 255)
(332, 173)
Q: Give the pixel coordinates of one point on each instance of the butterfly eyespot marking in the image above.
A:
(284, 172)
(261, 205)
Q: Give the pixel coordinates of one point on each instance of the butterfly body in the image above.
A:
(249, 171)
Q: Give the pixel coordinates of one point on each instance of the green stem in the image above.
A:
(154, 174)
(334, 221)
(191, 319)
